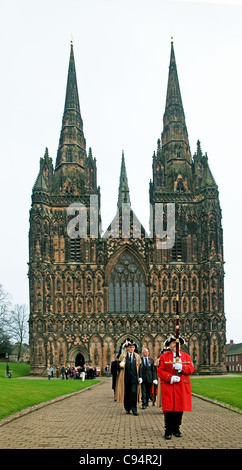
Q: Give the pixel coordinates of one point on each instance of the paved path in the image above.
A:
(92, 420)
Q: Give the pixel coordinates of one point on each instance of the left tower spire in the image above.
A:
(72, 143)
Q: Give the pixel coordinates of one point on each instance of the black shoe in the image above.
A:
(135, 413)
(177, 433)
(143, 407)
(127, 412)
(168, 435)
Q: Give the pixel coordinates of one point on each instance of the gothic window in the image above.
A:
(75, 250)
(177, 249)
(127, 286)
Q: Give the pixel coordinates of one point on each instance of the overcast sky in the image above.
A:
(122, 52)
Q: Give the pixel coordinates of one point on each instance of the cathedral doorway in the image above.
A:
(80, 360)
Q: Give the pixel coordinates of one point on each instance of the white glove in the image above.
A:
(122, 364)
(155, 382)
(140, 380)
(175, 379)
(178, 366)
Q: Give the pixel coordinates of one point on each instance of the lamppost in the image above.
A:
(7, 366)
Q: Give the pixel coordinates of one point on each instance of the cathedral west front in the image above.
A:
(90, 291)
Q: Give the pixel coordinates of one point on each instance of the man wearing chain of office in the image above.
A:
(128, 389)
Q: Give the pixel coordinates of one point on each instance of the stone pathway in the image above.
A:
(91, 419)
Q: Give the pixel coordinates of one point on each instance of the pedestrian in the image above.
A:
(52, 372)
(128, 389)
(149, 377)
(91, 372)
(82, 372)
(57, 372)
(175, 386)
(157, 389)
(63, 370)
(114, 372)
(49, 372)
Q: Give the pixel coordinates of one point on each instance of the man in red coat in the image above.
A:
(175, 386)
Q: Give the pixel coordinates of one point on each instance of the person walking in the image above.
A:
(175, 386)
(114, 372)
(149, 377)
(128, 389)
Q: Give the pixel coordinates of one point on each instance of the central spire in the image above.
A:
(72, 143)
(123, 192)
(175, 140)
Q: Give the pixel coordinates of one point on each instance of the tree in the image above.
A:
(4, 306)
(18, 326)
(5, 345)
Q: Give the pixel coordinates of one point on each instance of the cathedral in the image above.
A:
(90, 290)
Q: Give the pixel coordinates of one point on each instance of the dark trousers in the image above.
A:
(173, 420)
(130, 396)
(146, 390)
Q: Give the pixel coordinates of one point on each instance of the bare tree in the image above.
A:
(18, 326)
(4, 306)
(5, 345)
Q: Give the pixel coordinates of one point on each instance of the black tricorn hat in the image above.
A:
(171, 338)
(127, 343)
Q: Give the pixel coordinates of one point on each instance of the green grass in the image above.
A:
(17, 369)
(15, 395)
(223, 389)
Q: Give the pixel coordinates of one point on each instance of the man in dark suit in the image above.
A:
(114, 372)
(149, 376)
(130, 363)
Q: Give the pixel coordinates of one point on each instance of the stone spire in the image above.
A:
(175, 141)
(123, 193)
(72, 143)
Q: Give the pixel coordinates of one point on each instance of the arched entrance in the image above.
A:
(80, 360)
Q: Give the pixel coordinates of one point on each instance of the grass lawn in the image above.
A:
(18, 394)
(17, 369)
(223, 389)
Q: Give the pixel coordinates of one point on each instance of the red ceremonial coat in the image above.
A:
(177, 396)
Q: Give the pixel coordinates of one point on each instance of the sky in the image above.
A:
(122, 53)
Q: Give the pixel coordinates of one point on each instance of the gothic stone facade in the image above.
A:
(88, 293)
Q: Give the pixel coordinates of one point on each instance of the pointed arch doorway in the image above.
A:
(80, 360)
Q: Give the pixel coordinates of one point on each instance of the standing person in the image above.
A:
(57, 372)
(63, 370)
(82, 372)
(175, 386)
(128, 385)
(149, 376)
(157, 398)
(114, 373)
(49, 373)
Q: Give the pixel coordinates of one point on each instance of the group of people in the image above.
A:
(75, 372)
(136, 378)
